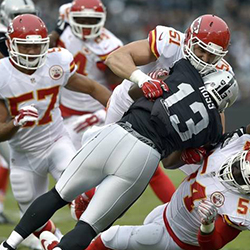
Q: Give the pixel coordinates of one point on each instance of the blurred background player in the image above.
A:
(32, 77)
(82, 32)
(8, 10)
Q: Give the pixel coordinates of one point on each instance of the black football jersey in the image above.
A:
(3, 47)
(183, 117)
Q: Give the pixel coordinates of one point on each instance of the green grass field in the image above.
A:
(134, 216)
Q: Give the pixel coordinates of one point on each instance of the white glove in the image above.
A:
(83, 122)
(26, 114)
(208, 213)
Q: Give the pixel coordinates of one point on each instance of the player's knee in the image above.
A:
(149, 234)
(22, 190)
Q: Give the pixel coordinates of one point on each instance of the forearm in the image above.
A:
(121, 64)
(219, 237)
(7, 130)
(173, 161)
(102, 95)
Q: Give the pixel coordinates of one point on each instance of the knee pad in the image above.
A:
(22, 190)
(150, 234)
(120, 237)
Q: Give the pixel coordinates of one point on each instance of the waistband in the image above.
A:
(128, 127)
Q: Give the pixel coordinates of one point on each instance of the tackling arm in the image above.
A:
(83, 84)
(124, 60)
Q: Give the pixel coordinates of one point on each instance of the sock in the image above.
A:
(14, 240)
(4, 177)
(39, 212)
(78, 238)
(97, 244)
(162, 186)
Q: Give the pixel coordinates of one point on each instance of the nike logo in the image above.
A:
(160, 37)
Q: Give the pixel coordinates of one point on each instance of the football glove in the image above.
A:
(193, 155)
(208, 213)
(154, 88)
(83, 122)
(158, 74)
(231, 136)
(26, 114)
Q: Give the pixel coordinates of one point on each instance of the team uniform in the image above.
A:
(37, 149)
(89, 55)
(167, 45)
(175, 225)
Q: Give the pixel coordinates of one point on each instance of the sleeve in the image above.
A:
(221, 235)
(164, 40)
(66, 61)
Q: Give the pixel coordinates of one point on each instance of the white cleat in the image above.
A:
(32, 242)
(49, 241)
(2, 247)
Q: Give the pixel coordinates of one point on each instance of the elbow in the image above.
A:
(111, 59)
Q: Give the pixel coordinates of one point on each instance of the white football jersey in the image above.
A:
(89, 56)
(182, 214)
(40, 89)
(167, 45)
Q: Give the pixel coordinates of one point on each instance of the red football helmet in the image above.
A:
(91, 11)
(212, 34)
(27, 30)
(235, 173)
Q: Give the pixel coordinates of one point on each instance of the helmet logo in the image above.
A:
(10, 28)
(217, 198)
(56, 72)
(196, 25)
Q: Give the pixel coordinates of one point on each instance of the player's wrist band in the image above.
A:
(139, 77)
(207, 229)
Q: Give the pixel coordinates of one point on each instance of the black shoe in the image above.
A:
(4, 219)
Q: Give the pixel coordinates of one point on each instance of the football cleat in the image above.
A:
(48, 240)
(5, 246)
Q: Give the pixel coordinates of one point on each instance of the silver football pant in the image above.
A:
(119, 163)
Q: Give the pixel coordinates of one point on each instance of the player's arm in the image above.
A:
(83, 84)
(124, 61)
(219, 237)
(7, 129)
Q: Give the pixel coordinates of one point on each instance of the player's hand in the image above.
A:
(193, 155)
(26, 114)
(158, 74)
(207, 211)
(83, 122)
(231, 136)
(154, 88)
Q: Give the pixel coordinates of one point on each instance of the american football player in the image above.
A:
(82, 32)
(209, 209)
(30, 118)
(122, 157)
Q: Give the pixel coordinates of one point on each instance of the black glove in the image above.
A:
(231, 136)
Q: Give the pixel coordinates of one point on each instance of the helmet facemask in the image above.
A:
(235, 173)
(203, 67)
(27, 61)
(87, 31)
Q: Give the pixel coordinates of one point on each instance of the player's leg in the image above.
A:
(4, 177)
(151, 235)
(162, 185)
(116, 193)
